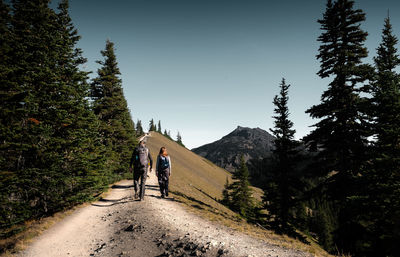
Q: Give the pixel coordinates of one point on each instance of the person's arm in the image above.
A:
(157, 164)
(151, 160)
(170, 166)
(132, 159)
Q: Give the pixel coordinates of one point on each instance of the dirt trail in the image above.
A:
(121, 226)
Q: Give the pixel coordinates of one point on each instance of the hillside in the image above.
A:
(189, 223)
(197, 183)
(192, 175)
(253, 143)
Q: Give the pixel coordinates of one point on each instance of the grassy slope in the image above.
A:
(198, 183)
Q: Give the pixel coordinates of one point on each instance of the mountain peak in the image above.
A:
(252, 143)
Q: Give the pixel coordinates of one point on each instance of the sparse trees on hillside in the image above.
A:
(152, 126)
(159, 130)
(139, 128)
(179, 139)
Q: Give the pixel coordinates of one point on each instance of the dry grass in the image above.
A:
(198, 184)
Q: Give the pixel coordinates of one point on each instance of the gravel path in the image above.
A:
(121, 226)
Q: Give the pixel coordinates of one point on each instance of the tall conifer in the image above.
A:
(139, 128)
(110, 106)
(282, 188)
(340, 134)
(381, 202)
(159, 130)
(152, 125)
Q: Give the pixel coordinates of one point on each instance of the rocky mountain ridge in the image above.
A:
(252, 143)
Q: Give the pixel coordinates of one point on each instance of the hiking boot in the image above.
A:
(136, 196)
(162, 196)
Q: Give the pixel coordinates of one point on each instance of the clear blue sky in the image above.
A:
(203, 67)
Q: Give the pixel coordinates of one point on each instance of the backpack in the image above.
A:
(141, 160)
(164, 163)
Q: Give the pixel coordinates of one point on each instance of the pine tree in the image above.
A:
(33, 156)
(226, 199)
(10, 116)
(341, 135)
(179, 139)
(159, 130)
(139, 128)
(110, 106)
(381, 203)
(282, 187)
(77, 135)
(152, 126)
(50, 135)
(240, 194)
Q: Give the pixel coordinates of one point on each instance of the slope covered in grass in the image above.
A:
(198, 183)
(192, 176)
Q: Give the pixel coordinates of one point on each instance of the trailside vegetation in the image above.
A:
(238, 195)
(54, 152)
(344, 191)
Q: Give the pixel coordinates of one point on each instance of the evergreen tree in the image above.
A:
(226, 199)
(167, 135)
(159, 130)
(282, 187)
(340, 135)
(139, 128)
(109, 104)
(32, 156)
(152, 126)
(49, 137)
(179, 139)
(77, 135)
(10, 115)
(240, 195)
(381, 203)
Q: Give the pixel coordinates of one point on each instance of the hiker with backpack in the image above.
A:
(140, 162)
(163, 171)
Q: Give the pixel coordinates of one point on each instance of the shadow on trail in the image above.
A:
(152, 186)
(159, 197)
(121, 186)
(112, 201)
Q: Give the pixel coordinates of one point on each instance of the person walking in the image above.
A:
(140, 162)
(163, 171)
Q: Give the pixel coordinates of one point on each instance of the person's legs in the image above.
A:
(143, 184)
(136, 178)
(166, 187)
(162, 186)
